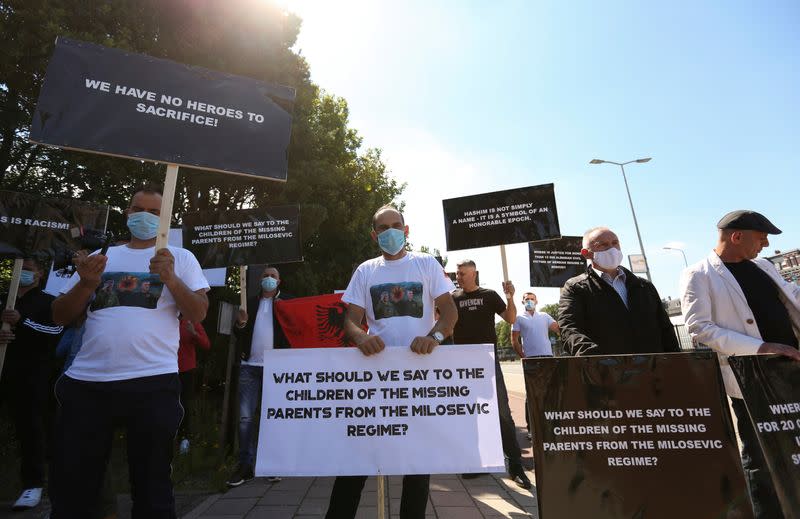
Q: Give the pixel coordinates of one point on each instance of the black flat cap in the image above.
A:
(743, 220)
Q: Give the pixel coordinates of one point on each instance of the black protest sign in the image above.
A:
(248, 236)
(119, 103)
(48, 227)
(553, 262)
(499, 218)
(771, 389)
(617, 436)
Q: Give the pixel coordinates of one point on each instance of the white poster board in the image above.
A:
(335, 411)
(56, 281)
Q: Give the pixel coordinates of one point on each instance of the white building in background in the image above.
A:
(788, 264)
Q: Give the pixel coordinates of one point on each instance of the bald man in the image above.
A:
(737, 304)
(609, 310)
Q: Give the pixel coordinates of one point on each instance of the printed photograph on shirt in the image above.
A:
(139, 289)
(397, 300)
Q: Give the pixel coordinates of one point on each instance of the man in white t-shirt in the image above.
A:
(533, 328)
(398, 293)
(253, 337)
(127, 369)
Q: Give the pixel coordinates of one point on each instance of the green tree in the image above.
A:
(551, 310)
(435, 253)
(337, 184)
(503, 330)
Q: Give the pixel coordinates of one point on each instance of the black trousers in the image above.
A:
(508, 430)
(759, 481)
(187, 398)
(346, 495)
(148, 409)
(27, 388)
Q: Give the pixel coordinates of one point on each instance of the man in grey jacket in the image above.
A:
(739, 305)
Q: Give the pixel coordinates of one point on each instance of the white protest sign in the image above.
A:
(335, 411)
(56, 282)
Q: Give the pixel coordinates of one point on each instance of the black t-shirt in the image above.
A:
(476, 311)
(761, 293)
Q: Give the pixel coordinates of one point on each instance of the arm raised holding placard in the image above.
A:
(509, 315)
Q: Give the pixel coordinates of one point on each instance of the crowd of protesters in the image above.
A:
(128, 324)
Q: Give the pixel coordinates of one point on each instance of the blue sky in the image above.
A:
(469, 97)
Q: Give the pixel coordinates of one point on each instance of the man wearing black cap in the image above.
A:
(738, 304)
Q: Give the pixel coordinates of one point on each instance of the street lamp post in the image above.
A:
(635, 223)
(686, 263)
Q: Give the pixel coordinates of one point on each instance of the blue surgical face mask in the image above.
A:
(392, 241)
(269, 284)
(143, 225)
(530, 305)
(26, 278)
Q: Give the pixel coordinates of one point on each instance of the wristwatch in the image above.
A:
(437, 336)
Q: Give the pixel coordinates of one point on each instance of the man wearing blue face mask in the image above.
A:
(413, 285)
(530, 337)
(127, 368)
(609, 310)
(26, 375)
(254, 336)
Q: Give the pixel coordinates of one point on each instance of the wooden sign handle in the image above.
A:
(243, 287)
(167, 200)
(504, 262)
(381, 497)
(11, 302)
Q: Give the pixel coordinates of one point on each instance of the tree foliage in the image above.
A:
(503, 330)
(337, 184)
(551, 310)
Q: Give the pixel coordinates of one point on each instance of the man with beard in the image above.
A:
(404, 327)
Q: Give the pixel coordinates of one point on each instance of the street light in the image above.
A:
(686, 263)
(635, 223)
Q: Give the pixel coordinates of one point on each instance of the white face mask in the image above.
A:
(608, 259)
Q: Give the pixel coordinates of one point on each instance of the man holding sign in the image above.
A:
(740, 305)
(397, 292)
(127, 368)
(476, 310)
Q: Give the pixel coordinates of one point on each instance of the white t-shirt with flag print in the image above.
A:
(398, 296)
(132, 328)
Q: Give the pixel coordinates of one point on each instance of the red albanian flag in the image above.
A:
(313, 322)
